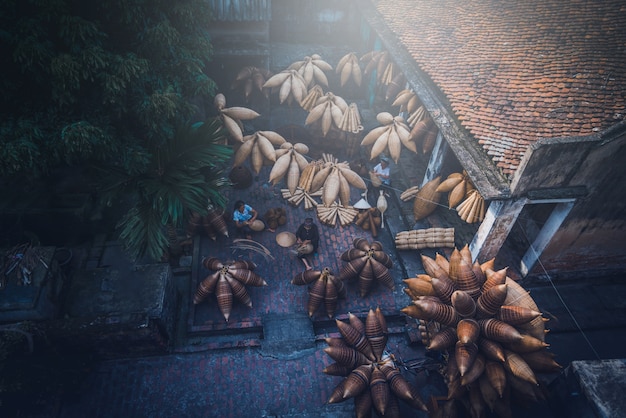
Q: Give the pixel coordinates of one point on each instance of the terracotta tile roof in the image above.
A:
(515, 71)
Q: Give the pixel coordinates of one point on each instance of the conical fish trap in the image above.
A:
(427, 199)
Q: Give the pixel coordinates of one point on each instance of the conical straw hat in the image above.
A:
(286, 239)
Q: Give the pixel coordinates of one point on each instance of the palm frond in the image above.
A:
(198, 146)
(142, 233)
(186, 175)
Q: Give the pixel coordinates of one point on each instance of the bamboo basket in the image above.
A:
(427, 199)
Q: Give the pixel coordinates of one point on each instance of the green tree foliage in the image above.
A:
(114, 84)
(184, 176)
(98, 81)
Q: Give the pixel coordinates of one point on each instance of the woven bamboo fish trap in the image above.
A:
(425, 238)
(427, 199)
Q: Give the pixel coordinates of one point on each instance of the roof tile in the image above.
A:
(515, 72)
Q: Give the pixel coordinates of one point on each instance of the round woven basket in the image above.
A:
(241, 177)
(286, 239)
(257, 225)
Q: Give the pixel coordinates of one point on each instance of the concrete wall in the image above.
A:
(323, 22)
(591, 240)
(590, 172)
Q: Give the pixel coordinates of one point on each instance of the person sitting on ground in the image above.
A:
(308, 239)
(382, 172)
(244, 215)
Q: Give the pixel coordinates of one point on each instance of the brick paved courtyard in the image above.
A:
(236, 368)
(268, 360)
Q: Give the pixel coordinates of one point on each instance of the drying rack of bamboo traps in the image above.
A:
(228, 282)
(370, 374)
(328, 110)
(303, 193)
(391, 136)
(348, 69)
(290, 162)
(290, 86)
(335, 178)
(250, 79)
(312, 68)
(423, 129)
(325, 289)
(462, 195)
(259, 148)
(231, 117)
(368, 263)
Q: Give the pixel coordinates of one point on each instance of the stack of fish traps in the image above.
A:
(275, 217)
(213, 223)
(489, 327)
(370, 220)
(417, 239)
(228, 283)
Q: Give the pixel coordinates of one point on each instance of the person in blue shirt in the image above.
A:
(243, 216)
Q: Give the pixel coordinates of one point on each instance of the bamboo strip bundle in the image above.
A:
(409, 193)
(329, 215)
(425, 238)
(351, 121)
(301, 196)
(472, 209)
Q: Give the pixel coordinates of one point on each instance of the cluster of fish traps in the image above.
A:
(372, 378)
(332, 181)
(325, 290)
(213, 223)
(367, 262)
(489, 327)
(228, 281)
(462, 195)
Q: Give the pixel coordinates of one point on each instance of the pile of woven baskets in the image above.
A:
(275, 217)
